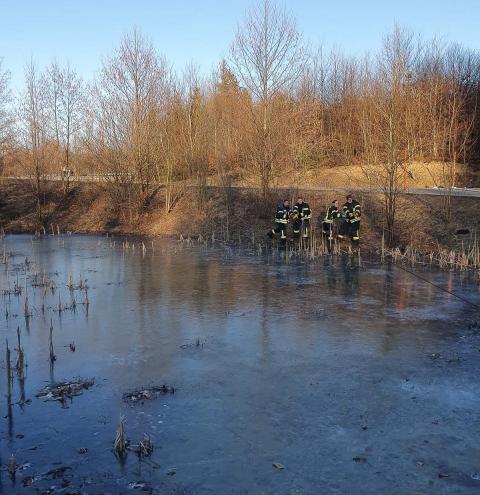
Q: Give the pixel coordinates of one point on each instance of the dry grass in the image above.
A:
(423, 175)
(420, 218)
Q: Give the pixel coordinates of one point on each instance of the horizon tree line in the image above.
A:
(272, 107)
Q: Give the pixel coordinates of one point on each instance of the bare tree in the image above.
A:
(170, 151)
(5, 114)
(460, 112)
(71, 100)
(64, 97)
(127, 100)
(384, 121)
(195, 129)
(52, 81)
(270, 109)
(268, 58)
(33, 120)
(227, 109)
(448, 86)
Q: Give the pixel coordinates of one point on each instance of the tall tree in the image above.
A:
(5, 114)
(128, 100)
(195, 129)
(64, 98)
(268, 59)
(383, 121)
(33, 119)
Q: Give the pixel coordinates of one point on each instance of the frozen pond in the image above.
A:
(355, 380)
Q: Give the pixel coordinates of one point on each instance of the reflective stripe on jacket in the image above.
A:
(282, 214)
(331, 214)
(303, 211)
(352, 211)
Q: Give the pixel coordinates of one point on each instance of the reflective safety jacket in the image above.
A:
(303, 211)
(332, 214)
(283, 212)
(352, 211)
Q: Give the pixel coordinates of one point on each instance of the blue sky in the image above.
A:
(83, 31)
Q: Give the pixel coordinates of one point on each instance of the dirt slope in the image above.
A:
(87, 209)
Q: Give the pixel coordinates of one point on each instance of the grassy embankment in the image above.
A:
(88, 209)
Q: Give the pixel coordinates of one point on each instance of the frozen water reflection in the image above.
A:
(306, 365)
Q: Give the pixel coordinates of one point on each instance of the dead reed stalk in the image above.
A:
(12, 466)
(8, 366)
(20, 364)
(52, 353)
(145, 447)
(120, 443)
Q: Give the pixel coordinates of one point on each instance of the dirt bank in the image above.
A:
(88, 208)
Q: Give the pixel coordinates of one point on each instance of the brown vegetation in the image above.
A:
(421, 220)
(272, 113)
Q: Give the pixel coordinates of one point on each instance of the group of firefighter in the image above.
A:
(343, 222)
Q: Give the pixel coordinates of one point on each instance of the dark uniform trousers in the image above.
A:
(351, 226)
(301, 224)
(281, 220)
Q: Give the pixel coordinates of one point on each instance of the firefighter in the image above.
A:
(327, 226)
(352, 214)
(281, 220)
(301, 218)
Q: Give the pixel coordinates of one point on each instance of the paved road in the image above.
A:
(465, 192)
(457, 192)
